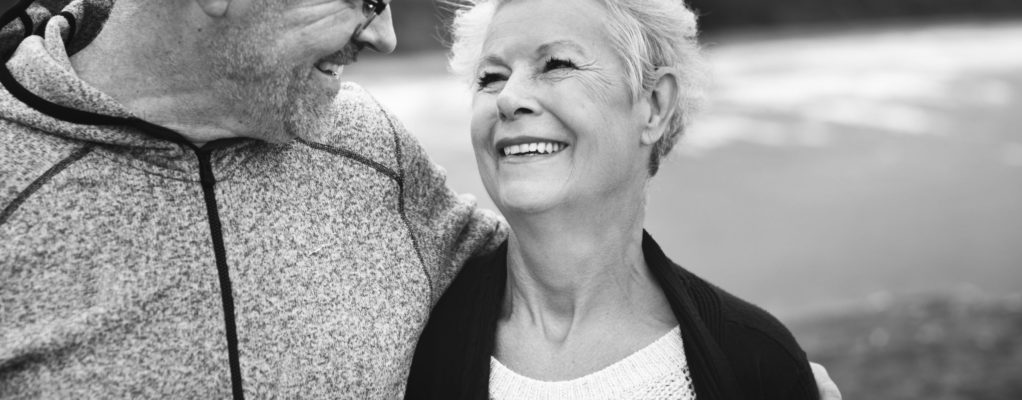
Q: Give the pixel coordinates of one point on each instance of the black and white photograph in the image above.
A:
(511, 199)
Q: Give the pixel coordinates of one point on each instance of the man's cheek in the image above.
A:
(328, 35)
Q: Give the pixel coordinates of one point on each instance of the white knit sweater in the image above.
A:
(656, 372)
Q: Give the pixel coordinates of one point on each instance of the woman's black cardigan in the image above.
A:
(734, 349)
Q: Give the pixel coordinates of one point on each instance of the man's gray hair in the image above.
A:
(647, 34)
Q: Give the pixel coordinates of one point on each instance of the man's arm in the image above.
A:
(448, 228)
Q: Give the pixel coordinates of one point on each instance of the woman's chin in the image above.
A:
(524, 202)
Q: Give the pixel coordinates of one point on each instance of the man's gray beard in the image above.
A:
(305, 112)
(276, 100)
(276, 104)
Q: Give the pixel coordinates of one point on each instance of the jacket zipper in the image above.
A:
(226, 292)
(206, 177)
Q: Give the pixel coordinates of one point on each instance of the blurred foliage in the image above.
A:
(937, 348)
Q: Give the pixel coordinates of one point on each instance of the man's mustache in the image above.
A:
(347, 55)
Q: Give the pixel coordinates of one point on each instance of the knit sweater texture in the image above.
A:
(658, 371)
(133, 266)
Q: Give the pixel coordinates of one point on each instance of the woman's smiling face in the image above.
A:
(554, 122)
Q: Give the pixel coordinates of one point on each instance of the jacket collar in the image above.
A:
(697, 307)
(41, 90)
(459, 339)
(44, 92)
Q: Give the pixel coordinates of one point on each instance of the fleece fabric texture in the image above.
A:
(109, 287)
(95, 12)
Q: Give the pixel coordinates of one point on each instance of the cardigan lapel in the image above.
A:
(481, 332)
(701, 325)
(695, 305)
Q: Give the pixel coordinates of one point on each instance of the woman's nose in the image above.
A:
(516, 100)
(379, 35)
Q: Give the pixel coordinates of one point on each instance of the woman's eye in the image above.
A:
(558, 63)
(489, 78)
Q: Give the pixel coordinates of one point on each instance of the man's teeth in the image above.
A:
(533, 148)
(328, 68)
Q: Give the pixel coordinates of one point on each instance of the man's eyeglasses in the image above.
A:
(371, 8)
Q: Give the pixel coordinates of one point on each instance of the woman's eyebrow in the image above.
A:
(491, 59)
(550, 46)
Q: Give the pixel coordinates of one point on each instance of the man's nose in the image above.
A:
(379, 35)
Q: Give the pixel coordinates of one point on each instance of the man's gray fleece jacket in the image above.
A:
(133, 265)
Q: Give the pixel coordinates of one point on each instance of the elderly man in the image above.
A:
(192, 205)
(190, 210)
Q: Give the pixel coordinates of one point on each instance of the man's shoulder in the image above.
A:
(26, 155)
(362, 129)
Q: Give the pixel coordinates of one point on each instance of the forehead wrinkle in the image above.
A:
(549, 47)
(491, 59)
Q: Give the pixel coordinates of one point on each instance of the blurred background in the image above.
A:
(858, 174)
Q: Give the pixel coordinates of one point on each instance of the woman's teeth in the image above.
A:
(533, 148)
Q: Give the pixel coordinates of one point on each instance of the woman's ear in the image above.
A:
(662, 100)
(214, 8)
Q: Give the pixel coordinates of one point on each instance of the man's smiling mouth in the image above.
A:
(334, 64)
(330, 68)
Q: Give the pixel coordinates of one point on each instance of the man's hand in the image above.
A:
(828, 389)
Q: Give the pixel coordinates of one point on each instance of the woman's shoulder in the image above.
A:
(480, 273)
(750, 322)
(452, 356)
(759, 348)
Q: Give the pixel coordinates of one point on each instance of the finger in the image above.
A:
(828, 389)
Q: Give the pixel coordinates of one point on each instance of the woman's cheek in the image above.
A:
(481, 126)
(597, 87)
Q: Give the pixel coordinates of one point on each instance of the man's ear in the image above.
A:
(214, 8)
(662, 101)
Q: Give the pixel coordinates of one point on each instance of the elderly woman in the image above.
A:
(576, 102)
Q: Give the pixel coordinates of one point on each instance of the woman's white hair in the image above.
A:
(647, 34)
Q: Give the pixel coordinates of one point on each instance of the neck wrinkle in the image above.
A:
(562, 275)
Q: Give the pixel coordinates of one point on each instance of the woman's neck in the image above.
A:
(566, 272)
